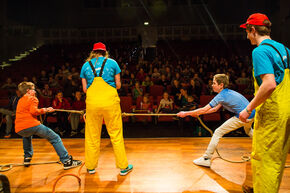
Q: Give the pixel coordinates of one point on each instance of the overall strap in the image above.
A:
(94, 70)
(285, 65)
(288, 59)
(102, 68)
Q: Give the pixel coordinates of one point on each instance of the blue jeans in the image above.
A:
(46, 133)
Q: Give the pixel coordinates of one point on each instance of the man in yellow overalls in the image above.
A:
(101, 79)
(271, 139)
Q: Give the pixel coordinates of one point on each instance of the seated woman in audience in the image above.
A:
(147, 83)
(46, 92)
(189, 105)
(137, 91)
(181, 99)
(166, 104)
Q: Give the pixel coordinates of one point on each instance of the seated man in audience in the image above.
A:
(78, 104)
(9, 113)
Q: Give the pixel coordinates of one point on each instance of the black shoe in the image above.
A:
(70, 163)
(26, 161)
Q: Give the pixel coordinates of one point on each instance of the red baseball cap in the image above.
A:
(99, 46)
(255, 19)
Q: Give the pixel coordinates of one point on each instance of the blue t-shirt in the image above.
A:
(231, 101)
(267, 61)
(111, 69)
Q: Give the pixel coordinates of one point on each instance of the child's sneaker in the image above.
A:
(70, 163)
(91, 171)
(203, 161)
(124, 172)
(26, 161)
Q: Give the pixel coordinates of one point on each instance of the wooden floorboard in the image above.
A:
(160, 165)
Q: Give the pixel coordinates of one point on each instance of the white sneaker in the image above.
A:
(91, 171)
(202, 161)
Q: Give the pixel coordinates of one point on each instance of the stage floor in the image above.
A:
(160, 165)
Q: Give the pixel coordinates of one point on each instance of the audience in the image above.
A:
(184, 78)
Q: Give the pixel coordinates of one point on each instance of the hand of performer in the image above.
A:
(50, 109)
(181, 114)
(244, 115)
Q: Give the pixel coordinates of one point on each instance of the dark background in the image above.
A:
(22, 21)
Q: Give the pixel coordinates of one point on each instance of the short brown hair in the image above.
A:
(24, 86)
(222, 78)
(262, 30)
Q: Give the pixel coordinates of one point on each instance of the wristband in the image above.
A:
(248, 111)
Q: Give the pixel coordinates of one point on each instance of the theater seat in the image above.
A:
(126, 103)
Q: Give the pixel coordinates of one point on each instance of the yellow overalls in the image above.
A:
(271, 139)
(103, 102)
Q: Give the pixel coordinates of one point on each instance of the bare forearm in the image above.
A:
(84, 83)
(199, 111)
(264, 92)
(212, 110)
(118, 81)
(266, 89)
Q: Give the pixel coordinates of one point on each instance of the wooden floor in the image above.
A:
(160, 165)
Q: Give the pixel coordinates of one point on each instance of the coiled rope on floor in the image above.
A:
(7, 167)
(74, 175)
(244, 158)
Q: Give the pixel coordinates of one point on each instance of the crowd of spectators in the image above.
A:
(182, 81)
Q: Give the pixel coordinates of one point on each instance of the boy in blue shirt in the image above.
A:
(231, 101)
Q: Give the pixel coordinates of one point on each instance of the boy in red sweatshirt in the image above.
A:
(26, 125)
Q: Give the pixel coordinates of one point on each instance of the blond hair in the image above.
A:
(23, 87)
(96, 53)
(222, 78)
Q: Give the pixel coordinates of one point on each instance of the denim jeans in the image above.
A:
(46, 133)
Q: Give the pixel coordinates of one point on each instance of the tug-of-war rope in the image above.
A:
(7, 167)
